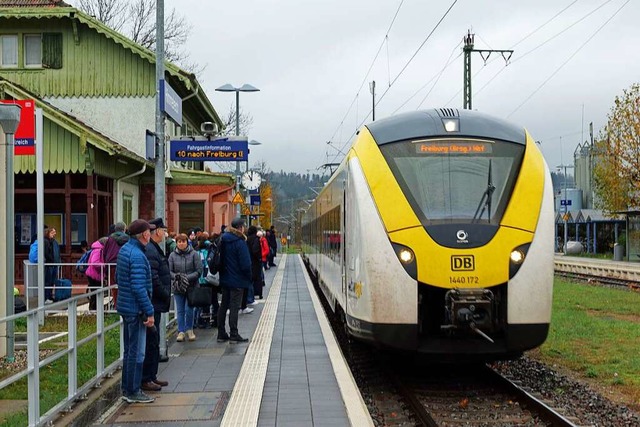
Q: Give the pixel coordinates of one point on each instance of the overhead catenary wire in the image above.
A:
(457, 94)
(404, 68)
(364, 80)
(544, 43)
(569, 59)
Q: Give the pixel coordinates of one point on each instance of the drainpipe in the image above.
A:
(117, 200)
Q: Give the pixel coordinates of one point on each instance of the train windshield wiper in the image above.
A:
(485, 201)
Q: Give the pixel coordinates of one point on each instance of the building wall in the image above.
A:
(218, 209)
(124, 120)
(89, 67)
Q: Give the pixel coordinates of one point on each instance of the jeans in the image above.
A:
(152, 351)
(231, 299)
(50, 276)
(184, 313)
(134, 337)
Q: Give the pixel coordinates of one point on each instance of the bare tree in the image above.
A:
(229, 121)
(137, 21)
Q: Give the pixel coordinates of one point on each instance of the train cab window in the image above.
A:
(449, 180)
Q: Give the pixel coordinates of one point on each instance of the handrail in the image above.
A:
(34, 364)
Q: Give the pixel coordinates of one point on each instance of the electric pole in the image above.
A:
(468, 48)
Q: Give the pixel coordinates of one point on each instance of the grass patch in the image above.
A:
(54, 377)
(595, 331)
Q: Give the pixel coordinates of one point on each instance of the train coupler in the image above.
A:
(469, 310)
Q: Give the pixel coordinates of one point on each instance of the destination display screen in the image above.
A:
(453, 147)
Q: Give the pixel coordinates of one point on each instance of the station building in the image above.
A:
(97, 91)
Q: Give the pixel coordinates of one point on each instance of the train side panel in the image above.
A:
(530, 290)
(379, 290)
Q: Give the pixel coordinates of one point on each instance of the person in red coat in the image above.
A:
(264, 245)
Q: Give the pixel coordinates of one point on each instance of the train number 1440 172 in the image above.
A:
(464, 280)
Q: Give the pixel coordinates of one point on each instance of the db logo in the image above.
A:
(463, 263)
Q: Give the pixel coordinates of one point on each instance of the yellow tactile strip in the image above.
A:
(244, 406)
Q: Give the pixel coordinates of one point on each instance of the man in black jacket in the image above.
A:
(161, 300)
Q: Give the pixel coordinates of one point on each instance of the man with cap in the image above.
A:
(133, 275)
(235, 276)
(161, 300)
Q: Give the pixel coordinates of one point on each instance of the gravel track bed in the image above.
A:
(575, 398)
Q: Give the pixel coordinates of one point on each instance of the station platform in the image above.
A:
(290, 373)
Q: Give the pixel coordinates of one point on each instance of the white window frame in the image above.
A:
(2, 65)
(24, 45)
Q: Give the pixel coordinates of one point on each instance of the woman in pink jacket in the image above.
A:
(96, 270)
(264, 246)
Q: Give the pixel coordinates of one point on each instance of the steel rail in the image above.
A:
(542, 410)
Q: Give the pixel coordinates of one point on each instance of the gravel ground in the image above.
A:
(20, 360)
(574, 397)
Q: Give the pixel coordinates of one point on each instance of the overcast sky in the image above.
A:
(309, 59)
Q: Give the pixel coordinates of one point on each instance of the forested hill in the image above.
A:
(292, 189)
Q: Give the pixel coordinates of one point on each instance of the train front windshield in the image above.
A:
(450, 180)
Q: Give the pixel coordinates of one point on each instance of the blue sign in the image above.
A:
(216, 150)
(170, 102)
(256, 191)
(255, 199)
(565, 202)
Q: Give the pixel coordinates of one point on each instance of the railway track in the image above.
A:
(610, 273)
(474, 395)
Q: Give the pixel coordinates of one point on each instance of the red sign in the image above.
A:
(24, 144)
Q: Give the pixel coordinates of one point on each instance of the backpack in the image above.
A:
(204, 254)
(33, 252)
(214, 259)
(83, 262)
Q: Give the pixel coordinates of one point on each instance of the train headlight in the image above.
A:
(405, 255)
(517, 256)
(407, 259)
(451, 125)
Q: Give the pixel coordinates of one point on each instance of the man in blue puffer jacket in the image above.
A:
(134, 305)
(235, 276)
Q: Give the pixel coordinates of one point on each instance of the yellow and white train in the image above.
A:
(435, 235)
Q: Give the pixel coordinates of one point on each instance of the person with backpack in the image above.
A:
(110, 252)
(95, 270)
(235, 276)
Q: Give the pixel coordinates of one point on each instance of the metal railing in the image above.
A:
(34, 364)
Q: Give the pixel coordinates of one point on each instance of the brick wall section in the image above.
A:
(218, 207)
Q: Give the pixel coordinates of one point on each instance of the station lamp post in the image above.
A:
(244, 88)
(9, 120)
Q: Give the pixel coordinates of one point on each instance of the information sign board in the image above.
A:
(216, 150)
(25, 136)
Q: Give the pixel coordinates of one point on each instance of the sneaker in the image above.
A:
(139, 397)
(48, 301)
(223, 338)
(191, 335)
(253, 303)
(180, 337)
(237, 338)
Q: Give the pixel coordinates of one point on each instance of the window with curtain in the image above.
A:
(9, 49)
(33, 50)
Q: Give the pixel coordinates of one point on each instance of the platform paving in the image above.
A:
(291, 378)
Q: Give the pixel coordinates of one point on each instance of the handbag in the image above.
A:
(199, 296)
(179, 284)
